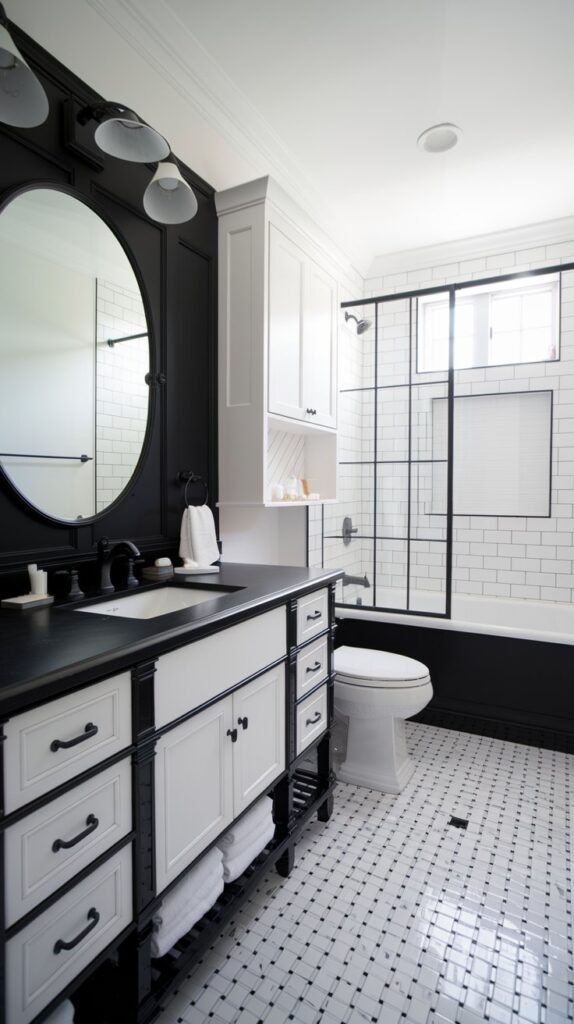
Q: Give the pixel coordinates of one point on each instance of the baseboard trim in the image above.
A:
(532, 736)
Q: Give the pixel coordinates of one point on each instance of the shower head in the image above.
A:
(362, 325)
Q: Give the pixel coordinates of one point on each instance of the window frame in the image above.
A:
(502, 285)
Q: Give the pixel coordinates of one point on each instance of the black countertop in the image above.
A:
(46, 651)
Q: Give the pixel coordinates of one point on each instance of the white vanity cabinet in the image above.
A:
(212, 765)
(46, 846)
(277, 348)
(109, 805)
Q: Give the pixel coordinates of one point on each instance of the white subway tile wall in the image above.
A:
(122, 393)
(529, 558)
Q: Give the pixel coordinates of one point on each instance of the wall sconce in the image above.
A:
(119, 132)
(168, 198)
(122, 133)
(23, 102)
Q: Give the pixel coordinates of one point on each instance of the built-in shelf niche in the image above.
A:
(309, 455)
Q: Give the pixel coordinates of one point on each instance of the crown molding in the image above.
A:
(527, 237)
(267, 191)
(187, 67)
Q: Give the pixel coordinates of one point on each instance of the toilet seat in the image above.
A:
(361, 666)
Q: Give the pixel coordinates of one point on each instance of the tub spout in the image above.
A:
(359, 581)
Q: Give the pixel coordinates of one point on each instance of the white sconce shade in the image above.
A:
(123, 134)
(168, 199)
(23, 102)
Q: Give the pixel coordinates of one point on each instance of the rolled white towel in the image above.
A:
(190, 891)
(164, 937)
(240, 847)
(188, 902)
(63, 1014)
(249, 826)
(234, 865)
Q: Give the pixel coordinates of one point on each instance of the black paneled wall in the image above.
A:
(177, 272)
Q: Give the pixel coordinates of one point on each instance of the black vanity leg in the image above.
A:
(286, 861)
(326, 809)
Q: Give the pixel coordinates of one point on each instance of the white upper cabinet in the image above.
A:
(302, 340)
(277, 348)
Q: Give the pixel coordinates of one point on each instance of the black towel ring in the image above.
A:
(192, 478)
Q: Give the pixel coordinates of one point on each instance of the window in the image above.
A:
(509, 322)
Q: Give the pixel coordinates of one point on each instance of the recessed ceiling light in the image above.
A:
(439, 137)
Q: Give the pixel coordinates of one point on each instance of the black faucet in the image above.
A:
(107, 552)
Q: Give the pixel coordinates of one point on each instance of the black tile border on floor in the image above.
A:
(547, 739)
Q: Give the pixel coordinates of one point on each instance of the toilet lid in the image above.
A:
(378, 668)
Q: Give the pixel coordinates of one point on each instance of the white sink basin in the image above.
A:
(154, 602)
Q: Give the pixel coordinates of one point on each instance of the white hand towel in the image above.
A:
(233, 867)
(163, 937)
(203, 539)
(249, 826)
(185, 548)
(63, 1014)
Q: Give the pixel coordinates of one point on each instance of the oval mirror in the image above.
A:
(74, 353)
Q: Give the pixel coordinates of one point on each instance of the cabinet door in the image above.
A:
(259, 753)
(319, 348)
(193, 789)
(286, 284)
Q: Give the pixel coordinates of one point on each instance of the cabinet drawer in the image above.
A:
(38, 968)
(311, 718)
(312, 615)
(187, 678)
(98, 811)
(55, 742)
(312, 666)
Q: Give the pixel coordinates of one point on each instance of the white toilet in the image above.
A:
(377, 691)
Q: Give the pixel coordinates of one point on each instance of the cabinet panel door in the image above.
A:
(193, 790)
(259, 753)
(319, 348)
(286, 284)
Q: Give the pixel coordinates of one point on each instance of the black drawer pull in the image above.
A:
(65, 844)
(316, 718)
(89, 731)
(311, 412)
(313, 668)
(93, 918)
(243, 721)
(233, 734)
(315, 615)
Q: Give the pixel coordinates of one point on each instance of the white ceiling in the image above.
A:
(329, 97)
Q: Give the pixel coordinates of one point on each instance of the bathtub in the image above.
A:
(496, 664)
(547, 621)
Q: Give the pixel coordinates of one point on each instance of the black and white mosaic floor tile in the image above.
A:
(393, 915)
